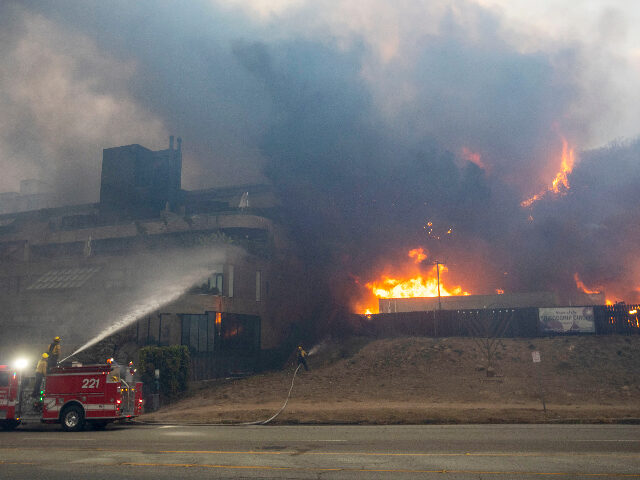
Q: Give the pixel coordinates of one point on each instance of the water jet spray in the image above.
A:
(164, 285)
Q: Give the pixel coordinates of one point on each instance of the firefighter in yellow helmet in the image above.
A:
(301, 355)
(41, 372)
(54, 352)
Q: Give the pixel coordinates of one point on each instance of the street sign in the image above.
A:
(535, 355)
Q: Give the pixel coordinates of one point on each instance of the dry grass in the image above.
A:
(423, 380)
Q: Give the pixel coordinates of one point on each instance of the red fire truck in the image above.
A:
(71, 395)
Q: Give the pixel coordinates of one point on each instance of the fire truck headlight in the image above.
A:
(20, 363)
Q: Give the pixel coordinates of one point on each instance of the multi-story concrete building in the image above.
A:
(153, 262)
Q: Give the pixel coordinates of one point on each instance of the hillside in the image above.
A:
(425, 380)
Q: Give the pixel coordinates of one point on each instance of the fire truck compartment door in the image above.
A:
(73, 384)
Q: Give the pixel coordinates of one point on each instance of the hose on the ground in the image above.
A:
(258, 422)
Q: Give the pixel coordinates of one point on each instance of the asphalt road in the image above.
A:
(328, 452)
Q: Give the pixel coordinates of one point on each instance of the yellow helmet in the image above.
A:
(45, 355)
(56, 339)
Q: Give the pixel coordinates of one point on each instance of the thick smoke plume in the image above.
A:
(369, 119)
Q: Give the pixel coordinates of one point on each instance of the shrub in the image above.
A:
(174, 364)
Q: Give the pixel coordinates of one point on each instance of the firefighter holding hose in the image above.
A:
(54, 352)
(41, 372)
(301, 355)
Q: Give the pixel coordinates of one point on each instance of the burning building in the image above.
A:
(421, 284)
(156, 264)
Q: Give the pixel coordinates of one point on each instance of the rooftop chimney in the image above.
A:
(179, 144)
(170, 142)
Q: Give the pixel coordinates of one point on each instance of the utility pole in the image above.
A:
(435, 317)
(438, 276)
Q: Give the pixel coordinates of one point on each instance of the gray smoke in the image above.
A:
(363, 134)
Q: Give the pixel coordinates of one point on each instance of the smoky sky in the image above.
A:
(363, 147)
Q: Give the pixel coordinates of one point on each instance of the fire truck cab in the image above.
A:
(70, 395)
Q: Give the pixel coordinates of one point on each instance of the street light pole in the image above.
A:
(438, 276)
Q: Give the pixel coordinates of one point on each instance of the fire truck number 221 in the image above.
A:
(72, 396)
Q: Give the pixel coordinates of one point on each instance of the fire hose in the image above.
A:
(257, 422)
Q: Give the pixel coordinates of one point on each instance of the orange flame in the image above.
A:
(418, 286)
(411, 280)
(581, 286)
(560, 183)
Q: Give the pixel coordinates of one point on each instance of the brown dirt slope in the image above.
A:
(425, 380)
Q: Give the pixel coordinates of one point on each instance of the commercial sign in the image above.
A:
(567, 320)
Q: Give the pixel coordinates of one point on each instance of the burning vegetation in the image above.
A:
(560, 183)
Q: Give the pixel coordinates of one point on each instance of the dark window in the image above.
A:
(240, 332)
(198, 332)
(215, 284)
(186, 329)
(212, 286)
(4, 379)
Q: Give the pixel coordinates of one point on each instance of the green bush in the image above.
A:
(174, 364)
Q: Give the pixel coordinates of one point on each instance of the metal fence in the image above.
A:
(617, 319)
(505, 322)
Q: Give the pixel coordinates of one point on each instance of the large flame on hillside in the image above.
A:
(412, 279)
(560, 183)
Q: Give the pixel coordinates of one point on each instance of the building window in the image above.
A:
(240, 333)
(198, 332)
(153, 330)
(215, 283)
(230, 290)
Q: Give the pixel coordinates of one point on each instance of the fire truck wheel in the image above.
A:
(72, 418)
(9, 424)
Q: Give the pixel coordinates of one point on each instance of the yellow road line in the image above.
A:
(386, 454)
(339, 454)
(375, 470)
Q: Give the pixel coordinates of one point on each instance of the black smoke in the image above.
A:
(365, 152)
